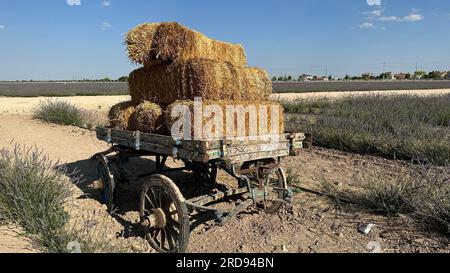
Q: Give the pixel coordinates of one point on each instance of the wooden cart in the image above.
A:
(164, 212)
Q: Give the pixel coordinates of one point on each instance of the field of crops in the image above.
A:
(60, 89)
(33, 89)
(295, 87)
(402, 127)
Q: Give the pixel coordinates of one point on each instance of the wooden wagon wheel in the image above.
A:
(274, 181)
(164, 215)
(107, 182)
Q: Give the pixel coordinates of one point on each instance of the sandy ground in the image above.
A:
(11, 241)
(313, 224)
(14, 105)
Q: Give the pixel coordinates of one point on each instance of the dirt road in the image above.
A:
(24, 106)
(312, 225)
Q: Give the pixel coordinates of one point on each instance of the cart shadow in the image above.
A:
(84, 172)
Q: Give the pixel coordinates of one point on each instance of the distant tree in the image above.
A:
(274, 79)
(123, 79)
(435, 75)
(280, 79)
(347, 77)
(420, 75)
(105, 79)
(330, 78)
(408, 76)
(289, 78)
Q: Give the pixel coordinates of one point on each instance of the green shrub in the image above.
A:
(33, 191)
(64, 113)
(58, 112)
(422, 192)
(32, 194)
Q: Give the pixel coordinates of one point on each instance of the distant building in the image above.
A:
(305, 78)
(400, 76)
(388, 76)
(368, 76)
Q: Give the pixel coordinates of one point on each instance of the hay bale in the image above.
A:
(119, 115)
(211, 80)
(147, 118)
(153, 43)
(260, 114)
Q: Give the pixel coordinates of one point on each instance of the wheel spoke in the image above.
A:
(160, 198)
(170, 240)
(155, 235)
(150, 201)
(166, 202)
(154, 197)
(173, 232)
(173, 223)
(162, 243)
(172, 213)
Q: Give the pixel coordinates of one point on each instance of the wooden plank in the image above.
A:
(235, 151)
(257, 155)
(216, 144)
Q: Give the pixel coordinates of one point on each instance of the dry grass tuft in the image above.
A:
(422, 192)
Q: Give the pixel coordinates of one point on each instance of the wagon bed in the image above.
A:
(232, 151)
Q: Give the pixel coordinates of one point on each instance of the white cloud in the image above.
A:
(390, 19)
(377, 13)
(367, 25)
(413, 17)
(2, 27)
(374, 2)
(106, 3)
(105, 26)
(73, 2)
(374, 13)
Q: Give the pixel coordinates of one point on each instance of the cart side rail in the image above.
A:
(205, 151)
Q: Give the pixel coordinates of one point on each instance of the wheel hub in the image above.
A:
(156, 219)
(160, 218)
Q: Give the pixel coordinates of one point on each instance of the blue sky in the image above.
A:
(65, 39)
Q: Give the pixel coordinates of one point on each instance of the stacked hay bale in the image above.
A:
(180, 64)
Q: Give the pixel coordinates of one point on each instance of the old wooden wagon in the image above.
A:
(164, 211)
